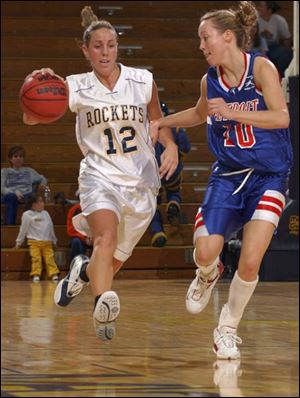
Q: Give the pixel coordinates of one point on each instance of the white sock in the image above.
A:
(240, 292)
(206, 270)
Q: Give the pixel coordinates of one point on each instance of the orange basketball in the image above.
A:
(44, 97)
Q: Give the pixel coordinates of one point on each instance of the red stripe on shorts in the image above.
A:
(269, 208)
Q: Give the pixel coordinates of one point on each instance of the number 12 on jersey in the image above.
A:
(129, 134)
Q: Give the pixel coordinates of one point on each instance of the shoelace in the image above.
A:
(76, 286)
(202, 285)
(229, 339)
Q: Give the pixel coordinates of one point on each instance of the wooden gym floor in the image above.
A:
(159, 350)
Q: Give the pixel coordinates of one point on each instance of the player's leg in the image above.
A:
(257, 236)
(261, 218)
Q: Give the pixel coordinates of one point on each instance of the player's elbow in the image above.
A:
(285, 119)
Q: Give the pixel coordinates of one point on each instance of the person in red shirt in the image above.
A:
(80, 244)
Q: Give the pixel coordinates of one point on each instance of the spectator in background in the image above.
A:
(18, 183)
(274, 28)
(172, 186)
(37, 227)
(80, 244)
(258, 44)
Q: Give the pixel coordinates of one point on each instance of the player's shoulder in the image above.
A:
(81, 79)
(262, 64)
(138, 75)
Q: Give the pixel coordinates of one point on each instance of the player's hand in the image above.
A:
(154, 131)
(30, 120)
(169, 161)
(218, 106)
(45, 72)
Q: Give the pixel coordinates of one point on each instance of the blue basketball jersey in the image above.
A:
(239, 146)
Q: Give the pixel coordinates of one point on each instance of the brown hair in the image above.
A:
(14, 150)
(239, 21)
(91, 23)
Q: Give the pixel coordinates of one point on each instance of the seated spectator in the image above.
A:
(258, 43)
(172, 186)
(37, 227)
(274, 28)
(17, 183)
(80, 244)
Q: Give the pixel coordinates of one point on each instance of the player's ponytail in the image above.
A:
(91, 23)
(246, 17)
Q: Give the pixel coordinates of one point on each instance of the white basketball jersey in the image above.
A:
(112, 127)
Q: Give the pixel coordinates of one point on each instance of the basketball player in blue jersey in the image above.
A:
(119, 177)
(247, 118)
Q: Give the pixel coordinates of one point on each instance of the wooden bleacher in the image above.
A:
(163, 36)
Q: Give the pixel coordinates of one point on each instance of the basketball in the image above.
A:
(44, 97)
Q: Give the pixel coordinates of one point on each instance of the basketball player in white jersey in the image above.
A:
(119, 177)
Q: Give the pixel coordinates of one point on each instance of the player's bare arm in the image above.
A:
(267, 80)
(169, 158)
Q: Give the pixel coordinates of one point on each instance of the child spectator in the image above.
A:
(37, 227)
(17, 183)
(172, 186)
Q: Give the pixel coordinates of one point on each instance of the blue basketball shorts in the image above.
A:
(225, 212)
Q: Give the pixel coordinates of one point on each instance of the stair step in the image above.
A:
(58, 213)
(162, 261)
(177, 235)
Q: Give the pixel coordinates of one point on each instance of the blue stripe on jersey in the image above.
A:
(239, 146)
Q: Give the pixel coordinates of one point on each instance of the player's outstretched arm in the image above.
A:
(187, 118)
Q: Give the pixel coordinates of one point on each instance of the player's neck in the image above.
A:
(233, 68)
(110, 79)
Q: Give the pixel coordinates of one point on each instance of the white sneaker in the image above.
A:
(107, 310)
(200, 289)
(71, 285)
(225, 341)
(36, 279)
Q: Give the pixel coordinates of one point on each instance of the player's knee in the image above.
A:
(249, 268)
(106, 242)
(203, 257)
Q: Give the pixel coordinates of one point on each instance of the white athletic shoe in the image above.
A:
(71, 285)
(200, 289)
(107, 310)
(225, 343)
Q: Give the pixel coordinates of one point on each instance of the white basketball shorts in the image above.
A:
(133, 206)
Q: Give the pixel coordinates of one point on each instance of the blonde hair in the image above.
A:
(91, 23)
(239, 21)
